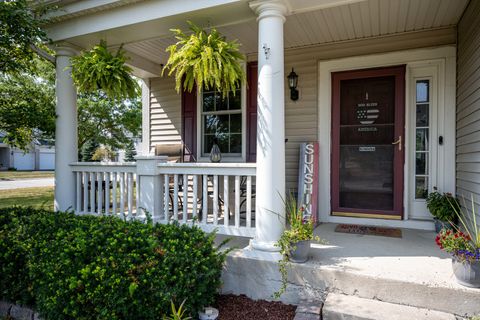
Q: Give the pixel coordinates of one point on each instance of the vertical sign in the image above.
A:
(308, 179)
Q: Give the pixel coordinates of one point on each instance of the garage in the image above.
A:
(46, 160)
(23, 161)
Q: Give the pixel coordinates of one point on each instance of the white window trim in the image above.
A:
(225, 158)
(411, 58)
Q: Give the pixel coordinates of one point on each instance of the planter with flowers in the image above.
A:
(443, 207)
(463, 243)
(296, 239)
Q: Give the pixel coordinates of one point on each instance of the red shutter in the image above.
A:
(252, 77)
(189, 125)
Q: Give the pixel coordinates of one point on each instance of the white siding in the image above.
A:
(468, 104)
(165, 112)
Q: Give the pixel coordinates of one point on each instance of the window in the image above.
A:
(422, 148)
(222, 119)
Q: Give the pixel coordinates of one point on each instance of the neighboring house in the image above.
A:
(390, 89)
(38, 157)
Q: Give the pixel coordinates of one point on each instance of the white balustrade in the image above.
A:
(212, 196)
(104, 188)
(206, 199)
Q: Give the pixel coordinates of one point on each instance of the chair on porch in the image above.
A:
(174, 153)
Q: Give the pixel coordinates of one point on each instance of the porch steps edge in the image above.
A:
(259, 279)
(343, 307)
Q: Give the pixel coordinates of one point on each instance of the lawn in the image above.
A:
(40, 197)
(14, 175)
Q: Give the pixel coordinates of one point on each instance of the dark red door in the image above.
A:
(368, 120)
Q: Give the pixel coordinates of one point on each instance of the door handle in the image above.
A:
(399, 142)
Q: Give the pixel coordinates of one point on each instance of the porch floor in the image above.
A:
(410, 270)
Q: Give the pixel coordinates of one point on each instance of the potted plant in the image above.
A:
(205, 59)
(296, 239)
(100, 70)
(463, 243)
(442, 206)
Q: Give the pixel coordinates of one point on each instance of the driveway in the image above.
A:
(27, 183)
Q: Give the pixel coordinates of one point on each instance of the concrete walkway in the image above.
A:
(27, 183)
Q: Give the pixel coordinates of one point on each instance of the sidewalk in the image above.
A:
(27, 183)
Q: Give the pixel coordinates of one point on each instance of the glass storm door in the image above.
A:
(368, 119)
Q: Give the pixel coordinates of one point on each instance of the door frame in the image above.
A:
(399, 152)
(413, 58)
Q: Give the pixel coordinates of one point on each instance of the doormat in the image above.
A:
(369, 231)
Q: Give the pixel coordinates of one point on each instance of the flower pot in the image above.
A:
(300, 251)
(439, 225)
(467, 273)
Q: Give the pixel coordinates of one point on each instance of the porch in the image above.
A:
(406, 271)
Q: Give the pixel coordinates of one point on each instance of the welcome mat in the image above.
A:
(369, 231)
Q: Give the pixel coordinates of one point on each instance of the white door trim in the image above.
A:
(412, 59)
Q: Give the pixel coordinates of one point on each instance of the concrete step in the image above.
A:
(343, 307)
(258, 278)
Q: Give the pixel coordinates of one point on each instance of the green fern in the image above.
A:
(205, 59)
(99, 69)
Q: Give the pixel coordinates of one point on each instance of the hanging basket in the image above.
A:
(100, 70)
(205, 59)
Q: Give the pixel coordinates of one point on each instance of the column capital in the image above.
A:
(269, 8)
(65, 50)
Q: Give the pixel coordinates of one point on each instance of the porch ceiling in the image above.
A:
(351, 21)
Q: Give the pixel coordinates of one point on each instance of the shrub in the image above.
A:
(443, 206)
(85, 267)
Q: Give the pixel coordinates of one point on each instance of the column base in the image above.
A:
(267, 246)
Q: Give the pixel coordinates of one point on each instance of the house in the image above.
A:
(40, 156)
(389, 89)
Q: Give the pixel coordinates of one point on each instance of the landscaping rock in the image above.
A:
(21, 313)
(5, 308)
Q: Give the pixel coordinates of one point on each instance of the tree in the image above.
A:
(20, 34)
(88, 150)
(130, 151)
(27, 105)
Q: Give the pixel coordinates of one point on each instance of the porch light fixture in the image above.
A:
(292, 83)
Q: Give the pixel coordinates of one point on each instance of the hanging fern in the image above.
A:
(205, 59)
(99, 69)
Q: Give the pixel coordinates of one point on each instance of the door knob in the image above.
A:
(399, 142)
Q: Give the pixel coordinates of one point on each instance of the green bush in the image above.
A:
(443, 206)
(85, 267)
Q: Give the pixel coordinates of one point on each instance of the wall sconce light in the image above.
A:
(292, 83)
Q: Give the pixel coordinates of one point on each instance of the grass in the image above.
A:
(40, 197)
(13, 175)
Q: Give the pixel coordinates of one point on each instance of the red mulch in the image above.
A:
(233, 307)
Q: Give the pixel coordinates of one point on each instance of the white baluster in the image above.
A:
(122, 194)
(79, 192)
(226, 196)
(215, 199)
(195, 196)
(185, 198)
(237, 201)
(100, 192)
(205, 199)
(137, 194)
(175, 197)
(249, 201)
(130, 194)
(114, 193)
(107, 193)
(92, 192)
(166, 199)
(85, 191)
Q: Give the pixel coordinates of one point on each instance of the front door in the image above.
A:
(368, 120)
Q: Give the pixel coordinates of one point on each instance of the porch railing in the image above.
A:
(213, 196)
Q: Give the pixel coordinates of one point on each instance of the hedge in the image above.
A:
(86, 267)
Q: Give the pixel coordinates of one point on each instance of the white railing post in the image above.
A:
(150, 184)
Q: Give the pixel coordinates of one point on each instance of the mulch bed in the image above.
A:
(233, 307)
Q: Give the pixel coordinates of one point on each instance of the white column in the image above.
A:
(65, 132)
(270, 189)
(150, 186)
